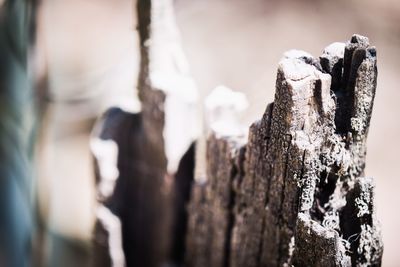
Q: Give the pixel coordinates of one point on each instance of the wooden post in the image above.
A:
(144, 161)
(293, 194)
(298, 196)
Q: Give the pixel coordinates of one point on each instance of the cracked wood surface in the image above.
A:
(294, 194)
(301, 197)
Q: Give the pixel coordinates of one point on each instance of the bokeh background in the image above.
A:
(88, 54)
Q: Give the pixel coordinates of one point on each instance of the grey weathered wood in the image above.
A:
(294, 194)
(211, 209)
(300, 199)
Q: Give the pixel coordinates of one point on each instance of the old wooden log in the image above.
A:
(298, 195)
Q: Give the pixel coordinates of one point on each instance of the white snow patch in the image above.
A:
(112, 224)
(223, 107)
(106, 153)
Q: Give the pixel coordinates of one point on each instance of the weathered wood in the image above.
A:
(143, 189)
(181, 190)
(134, 212)
(169, 103)
(211, 222)
(292, 195)
(132, 206)
(300, 200)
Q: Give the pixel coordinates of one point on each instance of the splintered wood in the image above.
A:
(295, 193)
(291, 193)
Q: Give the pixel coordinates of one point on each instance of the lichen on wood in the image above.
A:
(301, 198)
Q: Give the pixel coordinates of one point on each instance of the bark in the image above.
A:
(301, 197)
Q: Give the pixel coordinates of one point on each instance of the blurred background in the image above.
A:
(88, 56)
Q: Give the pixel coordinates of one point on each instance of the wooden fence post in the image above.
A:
(298, 196)
(293, 194)
(144, 161)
